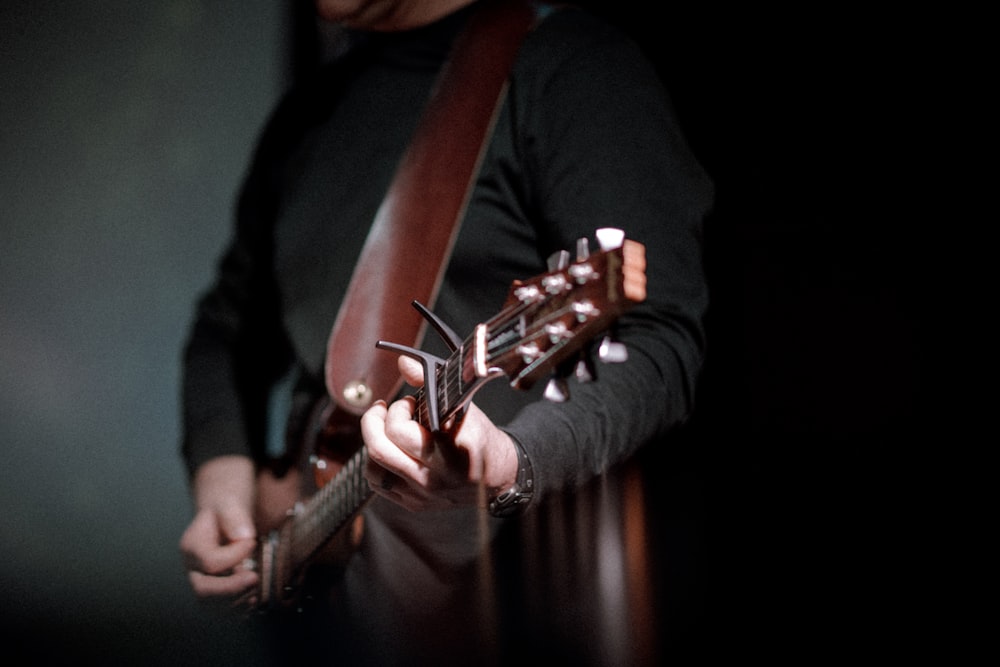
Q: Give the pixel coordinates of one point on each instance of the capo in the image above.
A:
(430, 362)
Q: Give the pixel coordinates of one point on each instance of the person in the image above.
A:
(586, 138)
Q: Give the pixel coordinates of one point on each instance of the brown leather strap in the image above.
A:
(407, 249)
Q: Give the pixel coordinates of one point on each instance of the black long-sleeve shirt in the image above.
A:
(586, 139)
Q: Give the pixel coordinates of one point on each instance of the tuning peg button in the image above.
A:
(610, 238)
(557, 390)
(612, 352)
(558, 260)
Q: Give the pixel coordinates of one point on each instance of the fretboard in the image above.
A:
(330, 508)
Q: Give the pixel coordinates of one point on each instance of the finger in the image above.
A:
(382, 447)
(393, 438)
(411, 370)
(406, 433)
(208, 586)
(373, 423)
(237, 524)
(202, 551)
(386, 458)
(223, 559)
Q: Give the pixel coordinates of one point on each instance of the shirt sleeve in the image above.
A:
(236, 347)
(604, 148)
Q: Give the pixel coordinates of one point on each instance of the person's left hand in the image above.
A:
(409, 467)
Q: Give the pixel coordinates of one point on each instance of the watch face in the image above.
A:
(515, 499)
(511, 502)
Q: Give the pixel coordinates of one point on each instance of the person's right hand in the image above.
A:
(222, 535)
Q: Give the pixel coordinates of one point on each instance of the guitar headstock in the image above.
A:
(550, 318)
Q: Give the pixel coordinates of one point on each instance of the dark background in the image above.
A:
(124, 131)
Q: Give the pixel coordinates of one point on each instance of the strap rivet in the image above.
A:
(358, 394)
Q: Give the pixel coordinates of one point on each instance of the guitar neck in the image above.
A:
(329, 509)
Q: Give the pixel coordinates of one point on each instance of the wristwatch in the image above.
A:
(515, 499)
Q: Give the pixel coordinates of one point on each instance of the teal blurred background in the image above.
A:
(124, 130)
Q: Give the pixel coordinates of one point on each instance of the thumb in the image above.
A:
(236, 523)
(411, 370)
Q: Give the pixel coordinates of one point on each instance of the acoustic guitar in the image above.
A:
(543, 329)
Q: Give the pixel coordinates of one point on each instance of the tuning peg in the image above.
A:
(558, 260)
(582, 249)
(583, 371)
(610, 238)
(612, 352)
(557, 390)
